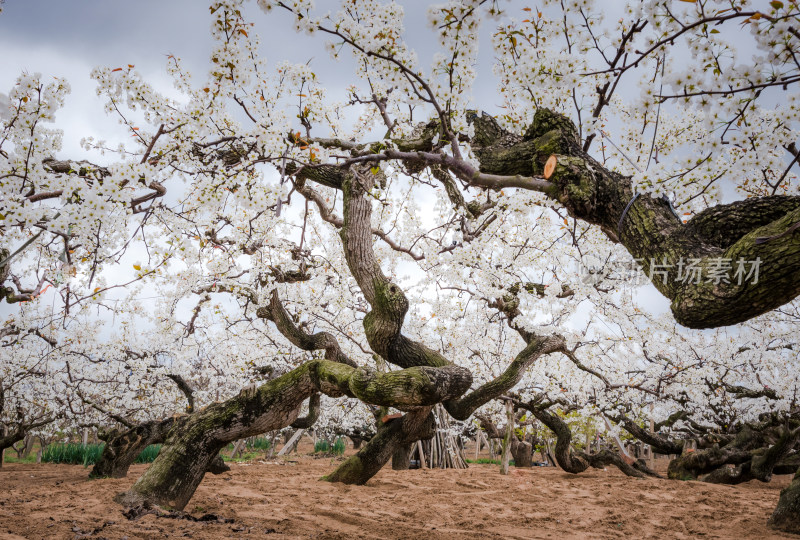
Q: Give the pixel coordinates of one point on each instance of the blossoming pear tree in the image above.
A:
(409, 247)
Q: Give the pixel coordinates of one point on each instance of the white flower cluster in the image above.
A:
(158, 261)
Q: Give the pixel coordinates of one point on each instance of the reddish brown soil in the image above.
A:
(287, 500)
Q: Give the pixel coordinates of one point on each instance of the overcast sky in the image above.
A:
(68, 39)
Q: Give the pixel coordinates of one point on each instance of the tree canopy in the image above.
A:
(407, 245)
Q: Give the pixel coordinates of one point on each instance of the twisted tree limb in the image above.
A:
(577, 462)
(760, 229)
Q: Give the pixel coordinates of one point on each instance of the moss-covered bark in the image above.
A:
(122, 448)
(691, 465)
(787, 465)
(786, 516)
(394, 435)
(462, 408)
(187, 453)
(754, 450)
(577, 462)
(762, 463)
(193, 443)
(654, 235)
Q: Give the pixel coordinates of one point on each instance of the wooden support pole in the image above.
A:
(291, 442)
(3, 451)
(507, 438)
(237, 448)
(652, 430)
(422, 464)
(621, 447)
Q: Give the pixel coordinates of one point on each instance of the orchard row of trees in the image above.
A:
(262, 245)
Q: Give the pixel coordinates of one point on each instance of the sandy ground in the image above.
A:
(285, 499)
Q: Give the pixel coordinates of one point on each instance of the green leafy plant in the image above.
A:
(72, 453)
(89, 454)
(487, 461)
(149, 454)
(259, 443)
(325, 447)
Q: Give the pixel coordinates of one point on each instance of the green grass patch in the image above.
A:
(30, 458)
(72, 453)
(149, 454)
(325, 447)
(245, 456)
(487, 461)
(259, 443)
(89, 454)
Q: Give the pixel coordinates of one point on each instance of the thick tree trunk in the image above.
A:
(788, 465)
(729, 475)
(760, 229)
(401, 457)
(522, 452)
(397, 433)
(188, 452)
(762, 464)
(786, 516)
(746, 450)
(690, 465)
(121, 449)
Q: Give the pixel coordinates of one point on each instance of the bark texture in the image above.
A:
(750, 230)
(754, 452)
(396, 434)
(786, 516)
(761, 464)
(122, 448)
(173, 477)
(188, 450)
(577, 462)
(522, 451)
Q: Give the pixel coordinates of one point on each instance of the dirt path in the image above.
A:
(286, 500)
